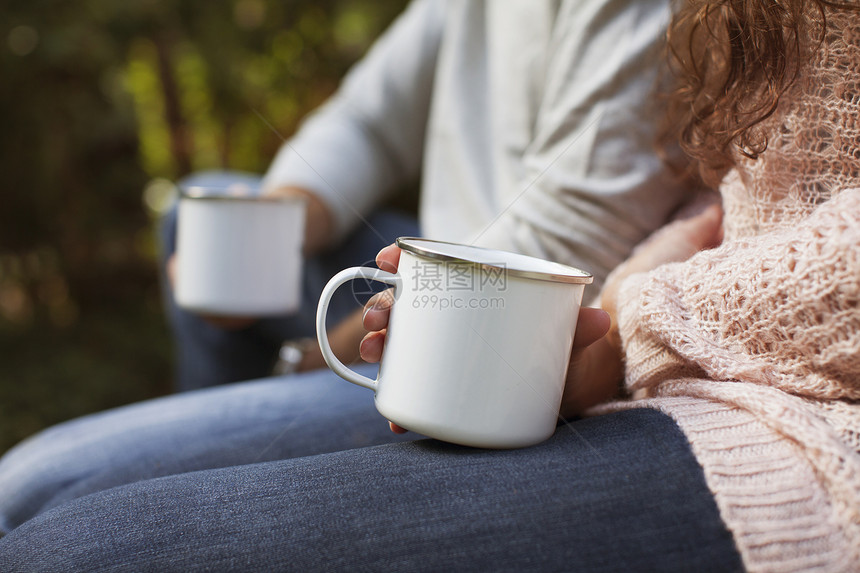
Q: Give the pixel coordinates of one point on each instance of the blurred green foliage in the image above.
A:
(101, 101)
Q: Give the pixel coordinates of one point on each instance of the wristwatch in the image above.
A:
(290, 356)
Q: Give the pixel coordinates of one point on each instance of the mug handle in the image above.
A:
(340, 278)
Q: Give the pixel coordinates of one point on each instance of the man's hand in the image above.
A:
(225, 322)
(319, 222)
(344, 340)
(319, 230)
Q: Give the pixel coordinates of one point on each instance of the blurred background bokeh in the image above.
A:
(103, 105)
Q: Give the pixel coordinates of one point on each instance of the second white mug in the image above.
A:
(239, 255)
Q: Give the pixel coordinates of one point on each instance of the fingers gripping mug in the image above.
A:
(477, 346)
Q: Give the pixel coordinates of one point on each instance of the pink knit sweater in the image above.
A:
(754, 347)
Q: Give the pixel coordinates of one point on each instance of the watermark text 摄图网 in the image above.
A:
(458, 277)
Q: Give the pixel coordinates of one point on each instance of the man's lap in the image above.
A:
(242, 423)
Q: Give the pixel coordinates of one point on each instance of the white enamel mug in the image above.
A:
(477, 346)
(239, 255)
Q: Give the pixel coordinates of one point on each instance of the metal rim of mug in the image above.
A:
(580, 276)
(200, 193)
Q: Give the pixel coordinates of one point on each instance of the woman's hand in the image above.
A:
(677, 241)
(596, 367)
(376, 314)
(378, 309)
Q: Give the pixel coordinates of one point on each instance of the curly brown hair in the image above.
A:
(731, 61)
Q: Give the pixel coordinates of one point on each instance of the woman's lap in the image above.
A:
(616, 492)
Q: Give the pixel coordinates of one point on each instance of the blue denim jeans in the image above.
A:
(301, 473)
(207, 355)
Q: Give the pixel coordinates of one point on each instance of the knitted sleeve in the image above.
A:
(780, 309)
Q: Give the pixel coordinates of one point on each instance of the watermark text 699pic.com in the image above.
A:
(445, 302)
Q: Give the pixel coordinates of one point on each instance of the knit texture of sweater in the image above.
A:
(754, 347)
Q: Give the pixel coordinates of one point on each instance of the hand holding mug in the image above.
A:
(584, 386)
(476, 346)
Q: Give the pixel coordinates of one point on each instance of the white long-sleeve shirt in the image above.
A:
(530, 123)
